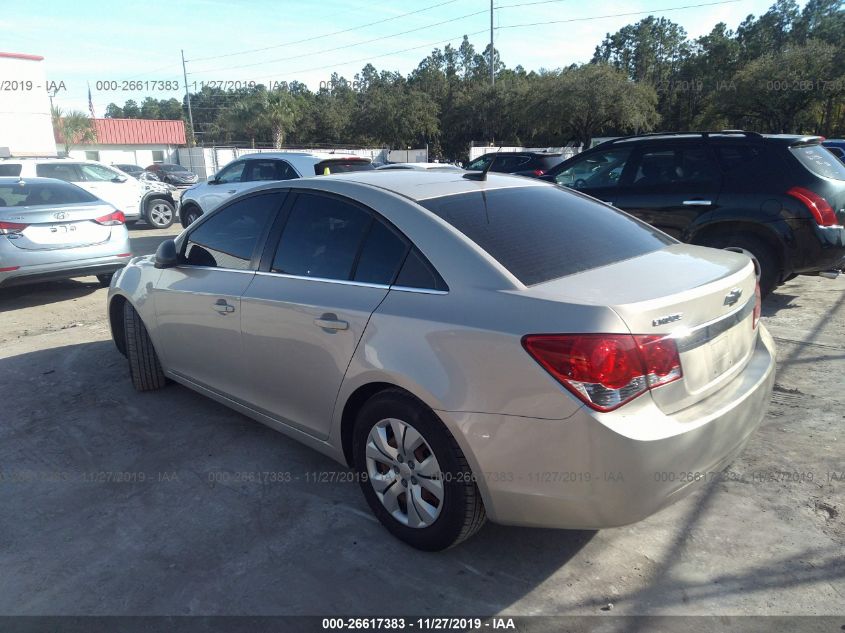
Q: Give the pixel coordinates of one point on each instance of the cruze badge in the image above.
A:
(733, 296)
(669, 318)
(61, 215)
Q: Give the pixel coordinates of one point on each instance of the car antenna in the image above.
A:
(482, 175)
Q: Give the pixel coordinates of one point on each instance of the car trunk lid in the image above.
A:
(51, 228)
(702, 297)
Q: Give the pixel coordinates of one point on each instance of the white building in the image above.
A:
(26, 126)
(132, 141)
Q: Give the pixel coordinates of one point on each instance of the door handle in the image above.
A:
(232, 191)
(222, 307)
(331, 322)
(698, 203)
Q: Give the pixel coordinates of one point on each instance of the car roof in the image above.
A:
(13, 180)
(389, 166)
(319, 156)
(540, 154)
(417, 184)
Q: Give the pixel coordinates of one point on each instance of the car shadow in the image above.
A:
(216, 513)
(44, 293)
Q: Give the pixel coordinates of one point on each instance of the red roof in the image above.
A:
(35, 58)
(138, 132)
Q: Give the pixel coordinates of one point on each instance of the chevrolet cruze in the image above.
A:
(473, 346)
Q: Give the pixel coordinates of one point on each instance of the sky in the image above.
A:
(97, 43)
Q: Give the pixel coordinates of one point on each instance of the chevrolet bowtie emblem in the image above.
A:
(733, 296)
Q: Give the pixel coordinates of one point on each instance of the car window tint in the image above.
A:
(819, 161)
(95, 173)
(10, 170)
(285, 171)
(62, 171)
(231, 173)
(417, 272)
(41, 193)
(341, 166)
(542, 233)
(382, 254)
(682, 166)
(480, 163)
(228, 238)
(597, 169)
(258, 170)
(321, 238)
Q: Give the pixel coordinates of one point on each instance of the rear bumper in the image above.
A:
(62, 270)
(587, 473)
(827, 251)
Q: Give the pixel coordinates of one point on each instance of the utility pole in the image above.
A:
(492, 70)
(190, 114)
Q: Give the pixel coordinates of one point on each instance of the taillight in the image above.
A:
(538, 172)
(758, 306)
(606, 370)
(111, 219)
(822, 212)
(7, 228)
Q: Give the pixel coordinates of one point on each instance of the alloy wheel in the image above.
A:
(160, 214)
(404, 472)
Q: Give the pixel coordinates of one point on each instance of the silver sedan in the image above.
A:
(473, 346)
(51, 229)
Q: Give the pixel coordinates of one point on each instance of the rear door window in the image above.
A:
(542, 233)
(10, 170)
(321, 238)
(819, 161)
(62, 171)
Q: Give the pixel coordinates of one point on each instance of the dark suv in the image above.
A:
(781, 197)
(533, 164)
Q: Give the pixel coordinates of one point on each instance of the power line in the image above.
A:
(338, 48)
(316, 37)
(617, 15)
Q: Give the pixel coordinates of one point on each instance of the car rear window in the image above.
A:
(547, 162)
(24, 194)
(542, 233)
(342, 166)
(819, 161)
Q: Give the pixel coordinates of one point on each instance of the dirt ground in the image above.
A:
(115, 502)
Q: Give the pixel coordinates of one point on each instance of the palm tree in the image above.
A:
(73, 127)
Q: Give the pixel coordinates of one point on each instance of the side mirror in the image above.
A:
(166, 255)
(119, 179)
(548, 178)
(213, 181)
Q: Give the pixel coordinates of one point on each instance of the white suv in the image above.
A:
(252, 169)
(109, 184)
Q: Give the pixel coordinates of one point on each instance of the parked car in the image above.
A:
(173, 174)
(51, 229)
(105, 182)
(836, 146)
(463, 344)
(253, 169)
(531, 164)
(780, 198)
(133, 170)
(423, 166)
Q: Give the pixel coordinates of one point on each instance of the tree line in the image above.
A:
(783, 71)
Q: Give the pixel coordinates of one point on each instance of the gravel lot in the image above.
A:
(184, 536)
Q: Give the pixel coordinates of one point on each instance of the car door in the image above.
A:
(113, 187)
(596, 173)
(198, 302)
(307, 307)
(670, 185)
(226, 184)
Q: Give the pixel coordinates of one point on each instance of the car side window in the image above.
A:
(675, 167)
(229, 237)
(61, 171)
(381, 256)
(10, 170)
(259, 170)
(596, 170)
(231, 173)
(321, 238)
(417, 272)
(284, 171)
(95, 173)
(479, 163)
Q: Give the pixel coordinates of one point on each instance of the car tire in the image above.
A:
(190, 215)
(766, 261)
(105, 280)
(160, 213)
(458, 512)
(144, 366)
